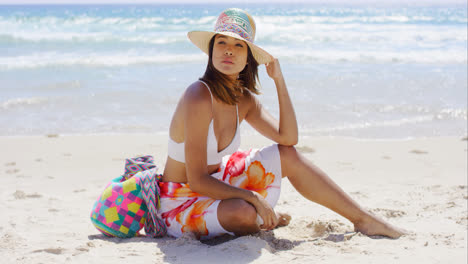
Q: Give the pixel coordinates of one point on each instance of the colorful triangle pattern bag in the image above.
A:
(130, 202)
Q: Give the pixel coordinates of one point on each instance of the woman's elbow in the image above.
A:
(292, 143)
(195, 186)
(289, 141)
(198, 185)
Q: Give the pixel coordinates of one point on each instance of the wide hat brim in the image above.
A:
(202, 39)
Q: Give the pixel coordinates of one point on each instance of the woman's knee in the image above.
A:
(236, 215)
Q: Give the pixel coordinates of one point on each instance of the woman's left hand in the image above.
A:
(274, 70)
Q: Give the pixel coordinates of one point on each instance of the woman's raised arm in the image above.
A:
(285, 130)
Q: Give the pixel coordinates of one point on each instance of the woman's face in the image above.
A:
(229, 55)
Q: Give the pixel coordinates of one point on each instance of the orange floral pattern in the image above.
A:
(254, 178)
(192, 220)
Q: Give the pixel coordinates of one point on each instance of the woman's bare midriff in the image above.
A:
(174, 171)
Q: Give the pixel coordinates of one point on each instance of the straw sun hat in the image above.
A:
(235, 23)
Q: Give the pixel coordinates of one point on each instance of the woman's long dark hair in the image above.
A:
(225, 89)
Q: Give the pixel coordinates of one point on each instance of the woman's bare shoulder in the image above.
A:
(197, 100)
(249, 99)
(247, 102)
(197, 92)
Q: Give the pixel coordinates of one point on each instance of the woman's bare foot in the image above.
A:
(374, 226)
(283, 219)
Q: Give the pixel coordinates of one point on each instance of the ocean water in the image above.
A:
(355, 71)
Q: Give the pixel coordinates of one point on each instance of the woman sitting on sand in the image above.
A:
(209, 188)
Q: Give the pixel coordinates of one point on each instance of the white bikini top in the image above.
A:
(177, 150)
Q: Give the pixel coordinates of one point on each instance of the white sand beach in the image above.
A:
(48, 185)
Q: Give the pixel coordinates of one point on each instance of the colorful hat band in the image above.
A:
(235, 22)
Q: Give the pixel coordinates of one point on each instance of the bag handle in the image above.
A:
(144, 169)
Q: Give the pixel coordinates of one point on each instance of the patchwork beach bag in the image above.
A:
(130, 201)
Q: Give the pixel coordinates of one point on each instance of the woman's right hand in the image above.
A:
(265, 211)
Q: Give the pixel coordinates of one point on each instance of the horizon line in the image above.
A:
(239, 2)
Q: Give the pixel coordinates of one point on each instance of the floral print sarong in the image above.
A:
(186, 211)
